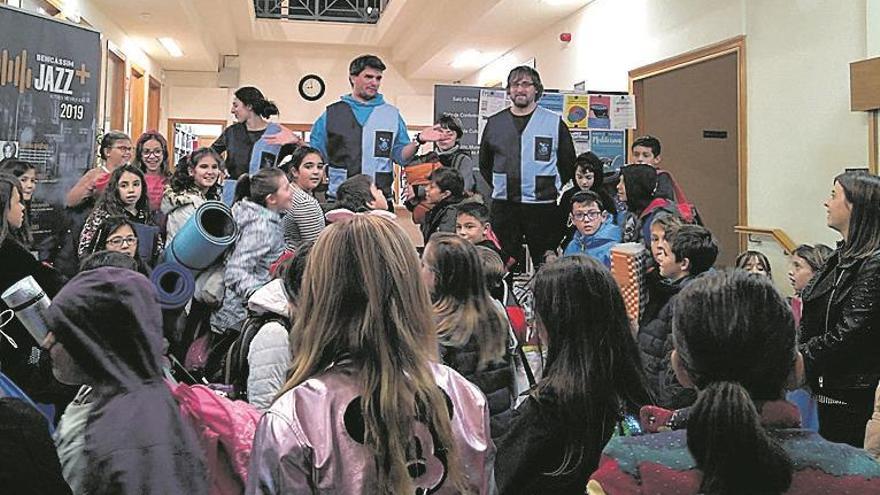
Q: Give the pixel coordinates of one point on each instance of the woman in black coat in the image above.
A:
(840, 326)
(25, 364)
(592, 378)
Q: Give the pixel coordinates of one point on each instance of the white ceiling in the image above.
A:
(423, 36)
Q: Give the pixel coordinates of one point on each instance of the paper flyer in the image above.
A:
(492, 101)
(623, 112)
(581, 139)
(599, 107)
(552, 102)
(576, 111)
(610, 147)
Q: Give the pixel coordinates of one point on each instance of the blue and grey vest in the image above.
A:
(354, 149)
(525, 166)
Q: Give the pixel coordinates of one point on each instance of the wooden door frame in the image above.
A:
(119, 86)
(153, 83)
(175, 121)
(136, 73)
(737, 46)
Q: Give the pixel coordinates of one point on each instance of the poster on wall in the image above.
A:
(492, 101)
(576, 110)
(610, 146)
(598, 115)
(623, 112)
(49, 73)
(461, 102)
(581, 140)
(552, 102)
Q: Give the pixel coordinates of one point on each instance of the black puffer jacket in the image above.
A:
(840, 325)
(496, 381)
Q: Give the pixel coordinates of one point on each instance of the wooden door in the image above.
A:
(153, 105)
(114, 102)
(136, 104)
(693, 110)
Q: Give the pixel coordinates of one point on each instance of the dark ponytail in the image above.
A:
(732, 449)
(256, 187)
(254, 98)
(734, 335)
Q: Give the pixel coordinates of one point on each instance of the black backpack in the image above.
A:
(235, 363)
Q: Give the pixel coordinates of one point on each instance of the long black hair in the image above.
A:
(9, 183)
(862, 190)
(110, 200)
(182, 181)
(17, 168)
(735, 336)
(593, 371)
(254, 98)
(640, 181)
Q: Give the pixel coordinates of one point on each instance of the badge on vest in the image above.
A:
(543, 148)
(382, 146)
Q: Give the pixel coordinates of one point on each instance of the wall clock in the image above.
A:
(312, 87)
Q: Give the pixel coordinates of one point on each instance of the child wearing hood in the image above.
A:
(107, 332)
(596, 231)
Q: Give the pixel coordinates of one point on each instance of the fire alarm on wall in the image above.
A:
(565, 37)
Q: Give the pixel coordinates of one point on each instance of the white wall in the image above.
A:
(276, 68)
(800, 130)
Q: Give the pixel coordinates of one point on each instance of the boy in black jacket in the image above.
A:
(687, 251)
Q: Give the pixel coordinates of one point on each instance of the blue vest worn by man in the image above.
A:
(353, 147)
(525, 166)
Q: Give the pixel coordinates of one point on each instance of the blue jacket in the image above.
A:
(597, 245)
(362, 111)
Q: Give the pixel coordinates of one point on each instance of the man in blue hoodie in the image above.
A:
(362, 134)
(596, 232)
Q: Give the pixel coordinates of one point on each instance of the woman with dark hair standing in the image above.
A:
(151, 156)
(260, 200)
(735, 342)
(194, 181)
(592, 378)
(250, 109)
(305, 218)
(840, 324)
(23, 362)
(26, 174)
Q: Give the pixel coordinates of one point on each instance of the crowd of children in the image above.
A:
(359, 367)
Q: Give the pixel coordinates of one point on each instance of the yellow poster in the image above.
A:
(575, 110)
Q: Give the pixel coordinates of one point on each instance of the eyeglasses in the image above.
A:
(120, 241)
(587, 215)
(151, 152)
(123, 148)
(523, 84)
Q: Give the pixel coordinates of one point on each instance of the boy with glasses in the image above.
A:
(596, 232)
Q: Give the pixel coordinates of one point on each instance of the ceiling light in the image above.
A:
(171, 47)
(468, 58)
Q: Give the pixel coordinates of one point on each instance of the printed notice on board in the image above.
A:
(623, 112)
(552, 102)
(492, 101)
(581, 139)
(599, 117)
(576, 109)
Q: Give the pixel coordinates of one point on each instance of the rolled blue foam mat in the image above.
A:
(174, 285)
(203, 239)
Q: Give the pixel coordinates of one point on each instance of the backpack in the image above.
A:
(235, 363)
(686, 210)
(225, 430)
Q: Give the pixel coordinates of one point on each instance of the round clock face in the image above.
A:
(311, 87)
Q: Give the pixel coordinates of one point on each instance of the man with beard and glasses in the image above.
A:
(526, 154)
